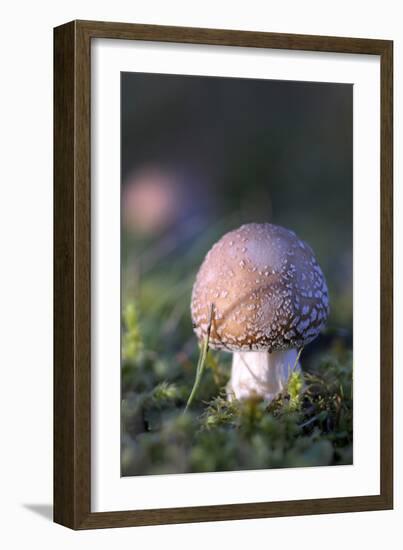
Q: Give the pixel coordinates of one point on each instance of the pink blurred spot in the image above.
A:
(151, 200)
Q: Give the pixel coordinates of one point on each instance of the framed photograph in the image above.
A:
(222, 275)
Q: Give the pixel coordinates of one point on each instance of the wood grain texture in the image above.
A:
(220, 37)
(72, 274)
(72, 292)
(386, 358)
(64, 378)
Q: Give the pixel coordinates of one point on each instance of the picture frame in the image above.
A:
(73, 270)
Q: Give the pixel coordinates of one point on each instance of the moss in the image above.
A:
(310, 424)
(132, 342)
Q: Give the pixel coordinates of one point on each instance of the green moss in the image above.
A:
(132, 343)
(309, 424)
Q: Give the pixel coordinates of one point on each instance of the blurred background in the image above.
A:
(201, 156)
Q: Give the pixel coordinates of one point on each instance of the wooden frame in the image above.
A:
(72, 296)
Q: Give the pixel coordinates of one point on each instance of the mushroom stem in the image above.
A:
(261, 374)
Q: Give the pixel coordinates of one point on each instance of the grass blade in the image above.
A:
(201, 362)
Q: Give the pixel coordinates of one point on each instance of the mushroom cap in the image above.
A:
(262, 289)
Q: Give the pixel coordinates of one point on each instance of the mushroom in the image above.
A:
(261, 295)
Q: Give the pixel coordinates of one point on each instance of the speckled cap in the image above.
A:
(267, 291)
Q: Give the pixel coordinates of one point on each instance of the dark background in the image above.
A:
(213, 153)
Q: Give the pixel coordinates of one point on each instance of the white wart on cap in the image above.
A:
(267, 290)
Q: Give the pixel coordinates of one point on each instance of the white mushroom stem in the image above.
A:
(261, 374)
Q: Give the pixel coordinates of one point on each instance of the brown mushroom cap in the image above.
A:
(267, 290)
